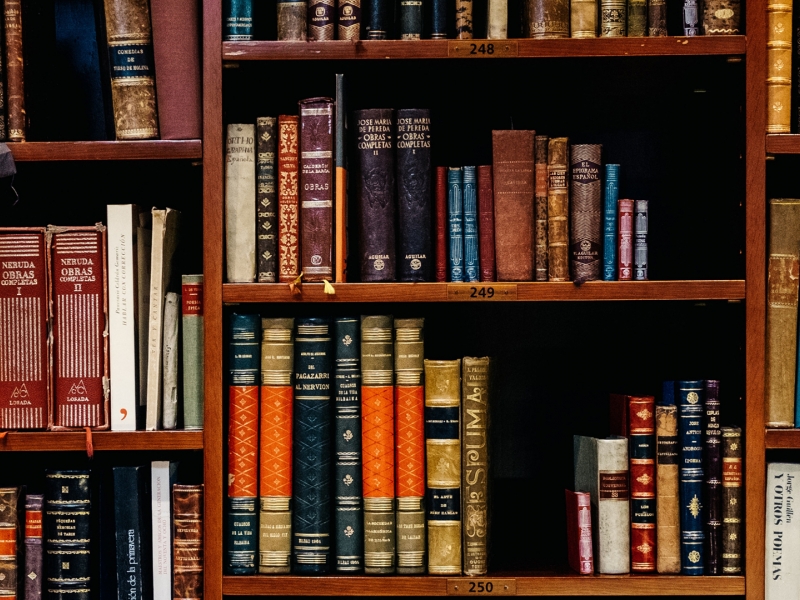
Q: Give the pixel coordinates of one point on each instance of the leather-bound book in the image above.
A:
(379, 19)
(613, 18)
(377, 419)
(558, 209)
(33, 576)
(656, 18)
(291, 20)
(579, 532)
(486, 224)
(266, 199)
(441, 224)
(455, 222)
(410, 18)
(132, 526)
(692, 500)
(691, 17)
(288, 199)
(637, 18)
(497, 19)
(240, 203)
(275, 442)
(585, 212)
(349, 23)
(471, 255)
(9, 542)
(722, 17)
(625, 209)
(464, 19)
(130, 57)
(240, 513)
(712, 469)
(610, 198)
(782, 533)
(375, 189)
(237, 19)
(316, 188)
(187, 544)
(409, 391)
(512, 155)
(640, 224)
(80, 313)
(779, 66)
(348, 515)
(583, 18)
(475, 467)
(414, 258)
(443, 459)
(732, 500)
(438, 19)
(340, 161)
(548, 19)
(540, 205)
(312, 448)
(668, 520)
(193, 335)
(15, 79)
(24, 356)
(321, 19)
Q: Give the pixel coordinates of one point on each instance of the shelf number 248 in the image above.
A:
(481, 48)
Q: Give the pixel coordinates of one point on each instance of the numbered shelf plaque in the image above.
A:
(482, 48)
(481, 292)
(469, 586)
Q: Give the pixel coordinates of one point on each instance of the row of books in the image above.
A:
(48, 546)
(333, 425)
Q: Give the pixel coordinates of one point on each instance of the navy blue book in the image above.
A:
(472, 267)
(610, 197)
(132, 524)
(237, 20)
(690, 433)
(455, 219)
(312, 448)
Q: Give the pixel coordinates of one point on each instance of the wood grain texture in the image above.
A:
(50, 441)
(783, 143)
(782, 438)
(124, 150)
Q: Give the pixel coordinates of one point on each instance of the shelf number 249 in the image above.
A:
(481, 48)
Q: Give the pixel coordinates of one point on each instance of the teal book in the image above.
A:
(237, 25)
(610, 197)
(455, 219)
(472, 266)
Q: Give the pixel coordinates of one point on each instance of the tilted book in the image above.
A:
(193, 339)
(288, 198)
(640, 224)
(240, 203)
(540, 205)
(585, 212)
(558, 209)
(579, 532)
(625, 239)
(690, 434)
(455, 222)
(162, 477)
(732, 500)
(782, 535)
(441, 224)
(610, 198)
(472, 265)
(9, 542)
(668, 520)
(33, 575)
(486, 224)
(171, 352)
(712, 469)
(133, 526)
(548, 19)
(187, 541)
(266, 199)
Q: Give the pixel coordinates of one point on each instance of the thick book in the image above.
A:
(409, 395)
(441, 224)
(187, 541)
(349, 20)
(601, 469)
(15, 78)
(712, 470)
(171, 356)
(637, 18)
(162, 478)
(668, 525)
(241, 543)
(558, 209)
(455, 222)
(240, 203)
(9, 542)
(266, 199)
(378, 20)
(497, 20)
(613, 18)
(488, 263)
(625, 210)
(340, 161)
(24, 352)
(585, 211)
(732, 500)
(237, 20)
(288, 198)
(640, 224)
(722, 17)
(377, 419)
(583, 18)
(275, 465)
(410, 19)
(320, 20)
(779, 66)
(692, 499)
(512, 156)
(132, 526)
(291, 20)
(375, 192)
(610, 198)
(782, 535)
(312, 447)
(193, 352)
(548, 19)
(471, 254)
(414, 251)
(443, 459)
(33, 574)
(579, 532)
(540, 205)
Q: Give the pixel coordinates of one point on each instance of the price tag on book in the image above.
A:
(482, 48)
(481, 292)
(469, 586)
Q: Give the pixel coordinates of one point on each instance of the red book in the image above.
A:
(79, 309)
(441, 223)
(625, 232)
(24, 292)
(579, 532)
(486, 226)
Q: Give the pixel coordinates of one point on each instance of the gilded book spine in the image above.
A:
(610, 198)
(320, 20)
(640, 225)
(238, 20)
(240, 203)
(187, 544)
(612, 18)
(558, 209)
(579, 532)
(486, 224)
(668, 528)
(583, 18)
(33, 547)
(291, 21)
(540, 208)
(349, 26)
(712, 468)
(266, 199)
(625, 239)
(464, 19)
(443, 445)
(732, 500)
(642, 451)
(471, 257)
(548, 19)
(585, 212)
(9, 541)
(656, 18)
(192, 299)
(411, 19)
(441, 224)
(15, 81)
(722, 17)
(288, 199)
(637, 18)
(455, 221)
(690, 432)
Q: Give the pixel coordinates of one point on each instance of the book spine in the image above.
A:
(455, 222)
(612, 18)
(497, 20)
(288, 197)
(443, 446)
(691, 17)
(637, 18)
(438, 19)
(15, 80)
(340, 162)
(732, 500)
(414, 192)
(486, 224)
(610, 198)
(3, 105)
(240, 203)
(779, 66)
(193, 339)
(291, 20)
(557, 210)
(9, 542)
(540, 208)
(548, 19)
(379, 19)
(642, 439)
(33, 547)
(347, 480)
(144, 242)
(585, 212)
(583, 18)
(410, 20)
(668, 526)
(266, 199)
(690, 415)
(782, 533)
(640, 224)
(375, 192)
(237, 18)
(241, 516)
(722, 17)
(625, 240)
(377, 419)
(131, 494)
(613, 509)
(187, 545)
(464, 19)
(471, 257)
(162, 476)
(316, 187)
(169, 404)
(24, 356)
(349, 23)
(656, 18)
(312, 447)
(579, 532)
(712, 468)
(475, 464)
(441, 224)
(320, 19)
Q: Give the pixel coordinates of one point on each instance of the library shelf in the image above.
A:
(782, 438)
(526, 48)
(783, 143)
(46, 441)
(106, 150)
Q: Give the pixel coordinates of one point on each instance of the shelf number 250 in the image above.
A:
(480, 587)
(481, 48)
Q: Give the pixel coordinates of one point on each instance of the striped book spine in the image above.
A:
(642, 440)
(455, 219)
(712, 469)
(690, 432)
(610, 198)
(472, 267)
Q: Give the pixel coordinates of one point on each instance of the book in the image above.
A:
(512, 156)
(691, 17)
(455, 222)
(583, 18)
(475, 467)
(349, 21)
(613, 18)
(779, 66)
(656, 18)
(187, 541)
(548, 19)
(291, 20)
(640, 224)
(722, 17)
(288, 197)
(24, 353)
(637, 18)
(162, 478)
(237, 20)
(240, 203)
(712, 469)
(170, 392)
(579, 532)
(378, 20)
(732, 500)
(340, 161)
(692, 499)
(464, 19)
(410, 19)
(193, 352)
(610, 198)
(625, 209)
(438, 12)
(668, 526)
(320, 20)
(540, 205)
(497, 20)
(558, 209)
(443, 460)
(15, 78)
(132, 527)
(486, 224)
(33, 575)
(144, 247)
(470, 226)
(441, 224)
(782, 535)
(9, 542)
(585, 212)
(266, 199)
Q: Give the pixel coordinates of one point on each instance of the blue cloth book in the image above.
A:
(455, 218)
(610, 197)
(690, 433)
(472, 265)
(237, 25)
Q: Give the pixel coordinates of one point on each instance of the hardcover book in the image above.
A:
(583, 18)
(548, 19)
(441, 224)
(132, 521)
(33, 575)
(144, 247)
(240, 203)
(463, 19)
(656, 18)
(640, 223)
(585, 212)
(291, 20)
(266, 199)
(712, 469)
(558, 209)
(497, 20)
(288, 194)
(379, 19)
(340, 137)
(9, 542)
(455, 222)
(610, 198)
(237, 21)
(486, 224)
(779, 66)
(637, 18)
(320, 20)
(722, 17)
(540, 204)
(612, 18)
(732, 500)
(625, 239)
(193, 353)
(782, 533)
(471, 256)
(438, 20)
(15, 79)
(349, 22)
(690, 434)
(579, 532)
(187, 541)
(162, 478)
(668, 526)
(410, 19)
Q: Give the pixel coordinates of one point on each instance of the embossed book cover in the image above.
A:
(732, 500)
(266, 199)
(288, 199)
(712, 470)
(692, 499)
(668, 526)
(585, 211)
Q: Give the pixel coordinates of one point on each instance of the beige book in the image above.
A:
(583, 18)
(240, 203)
(668, 525)
(779, 66)
(169, 394)
(497, 24)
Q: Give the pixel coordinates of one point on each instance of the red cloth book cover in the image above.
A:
(579, 532)
(441, 224)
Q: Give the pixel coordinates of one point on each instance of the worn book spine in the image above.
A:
(3, 105)
(472, 266)
(409, 392)
(579, 532)
(640, 254)
(379, 19)
(377, 419)
(690, 434)
(349, 22)
(486, 224)
(642, 452)
(691, 17)
(340, 161)
(722, 17)
(187, 544)
(637, 18)
(15, 80)
(162, 477)
(291, 20)
(668, 526)
(455, 222)
(548, 19)
(512, 156)
(33, 575)
(585, 212)
(193, 338)
(497, 19)
(275, 441)
(656, 18)
(441, 224)
(415, 259)
(583, 18)
(732, 500)
(540, 205)
(24, 355)
(240, 203)
(132, 532)
(321, 17)
(625, 209)
(9, 542)
(712, 469)
(266, 199)
(410, 19)
(169, 403)
(288, 199)
(316, 188)
(782, 533)
(237, 19)
(240, 514)
(438, 19)
(610, 198)
(558, 209)
(375, 192)
(348, 513)
(464, 20)
(612, 18)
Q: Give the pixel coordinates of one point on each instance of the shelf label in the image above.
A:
(482, 48)
(469, 292)
(468, 586)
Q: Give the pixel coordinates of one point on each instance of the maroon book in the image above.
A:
(625, 233)
(79, 308)
(579, 532)
(486, 223)
(441, 223)
(24, 381)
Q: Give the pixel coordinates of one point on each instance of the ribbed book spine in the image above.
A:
(471, 256)
(486, 224)
(610, 198)
(640, 224)
(288, 196)
(782, 533)
(237, 16)
(377, 419)
(240, 203)
(464, 19)
(187, 544)
(668, 525)
(625, 240)
(320, 20)
(193, 337)
(540, 208)
(455, 222)
(579, 532)
(690, 431)
(585, 212)
(779, 65)
(241, 516)
(443, 445)
(612, 18)
(732, 500)
(34, 505)
(266, 199)
(642, 450)
(558, 209)
(15, 80)
(349, 26)
(132, 526)
(409, 463)
(712, 468)
(637, 18)
(291, 20)
(441, 224)
(9, 542)
(275, 465)
(347, 469)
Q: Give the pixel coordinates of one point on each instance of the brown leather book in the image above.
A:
(722, 17)
(779, 66)
(486, 223)
(585, 232)
(441, 224)
(668, 523)
(187, 541)
(548, 19)
(540, 205)
(558, 209)
(288, 214)
(15, 80)
(512, 154)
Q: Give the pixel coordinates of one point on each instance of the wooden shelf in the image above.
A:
(133, 150)
(783, 143)
(782, 438)
(529, 291)
(547, 584)
(48, 441)
(645, 46)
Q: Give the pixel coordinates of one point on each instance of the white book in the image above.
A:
(240, 203)
(782, 558)
(162, 476)
(169, 402)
